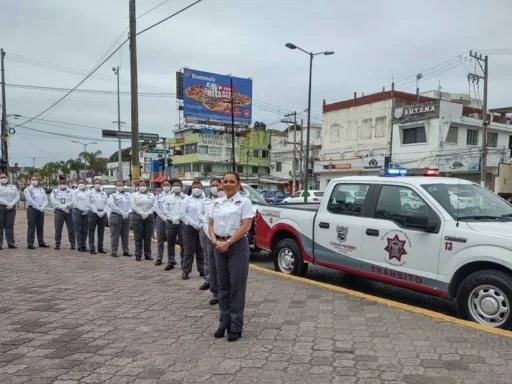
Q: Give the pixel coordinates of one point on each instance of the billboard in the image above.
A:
(208, 96)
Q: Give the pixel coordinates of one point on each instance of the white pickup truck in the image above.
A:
(454, 252)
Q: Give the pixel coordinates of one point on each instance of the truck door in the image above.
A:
(338, 228)
(407, 257)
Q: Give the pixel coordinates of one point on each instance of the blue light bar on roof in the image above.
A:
(396, 171)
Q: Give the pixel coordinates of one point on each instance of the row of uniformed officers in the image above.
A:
(212, 229)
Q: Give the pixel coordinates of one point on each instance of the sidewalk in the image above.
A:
(69, 317)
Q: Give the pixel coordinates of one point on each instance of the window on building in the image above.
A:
(202, 150)
(452, 136)
(184, 168)
(228, 153)
(190, 148)
(492, 139)
(472, 137)
(318, 134)
(208, 168)
(414, 135)
(254, 169)
(279, 167)
(255, 153)
(343, 199)
(264, 154)
(240, 168)
(196, 167)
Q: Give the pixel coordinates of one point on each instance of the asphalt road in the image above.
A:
(370, 287)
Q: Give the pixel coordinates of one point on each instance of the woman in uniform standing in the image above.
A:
(143, 220)
(37, 201)
(81, 204)
(9, 197)
(229, 222)
(161, 222)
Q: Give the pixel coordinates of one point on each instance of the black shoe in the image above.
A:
(148, 258)
(102, 252)
(204, 287)
(213, 301)
(234, 336)
(168, 267)
(93, 252)
(137, 258)
(31, 247)
(73, 247)
(57, 247)
(158, 262)
(201, 274)
(44, 246)
(113, 254)
(81, 250)
(219, 333)
(127, 254)
(13, 247)
(184, 276)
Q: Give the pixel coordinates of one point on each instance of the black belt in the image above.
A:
(222, 238)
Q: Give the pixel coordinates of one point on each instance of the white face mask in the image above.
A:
(3, 180)
(119, 189)
(34, 183)
(214, 190)
(176, 190)
(81, 186)
(142, 189)
(197, 192)
(62, 186)
(221, 194)
(97, 187)
(167, 189)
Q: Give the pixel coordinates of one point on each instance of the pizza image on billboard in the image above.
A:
(208, 95)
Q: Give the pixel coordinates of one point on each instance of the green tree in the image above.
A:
(75, 165)
(92, 160)
(125, 153)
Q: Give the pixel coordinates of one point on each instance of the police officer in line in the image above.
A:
(190, 215)
(97, 218)
(161, 222)
(229, 223)
(173, 227)
(9, 197)
(143, 220)
(37, 201)
(81, 203)
(61, 199)
(210, 269)
(120, 219)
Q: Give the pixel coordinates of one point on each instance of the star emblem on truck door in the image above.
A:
(395, 248)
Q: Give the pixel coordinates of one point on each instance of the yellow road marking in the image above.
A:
(389, 303)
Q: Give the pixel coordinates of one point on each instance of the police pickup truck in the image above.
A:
(433, 246)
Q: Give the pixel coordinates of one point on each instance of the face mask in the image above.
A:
(119, 189)
(197, 192)
(214, 190)
(62, 186)
(3, 180)
(221, 194)
(34, 183)
(97, 187)
(167, 189)
(81, 186)
(176, 190)
(142, 189)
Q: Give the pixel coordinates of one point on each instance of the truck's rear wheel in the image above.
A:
(485, 297)
(288, 258)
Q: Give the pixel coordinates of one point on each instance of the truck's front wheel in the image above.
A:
(486, 298)
(288, 258)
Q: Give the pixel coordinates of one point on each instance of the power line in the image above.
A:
(152, 9)
(169, 17)
(65, 135)
(91, 91)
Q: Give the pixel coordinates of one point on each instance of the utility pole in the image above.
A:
(294, 160)
(233, 158)
(5, 155)
(34, 160)
(134, 93)
(301, 152)
(476, 78)
(119, 153)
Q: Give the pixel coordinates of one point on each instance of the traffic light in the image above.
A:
(169, 162)
(162, 163)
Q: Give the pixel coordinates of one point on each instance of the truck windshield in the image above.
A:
(469, 201)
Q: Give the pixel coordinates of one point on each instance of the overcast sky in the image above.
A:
(375, 41)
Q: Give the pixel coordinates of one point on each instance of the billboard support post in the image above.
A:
(233, 158)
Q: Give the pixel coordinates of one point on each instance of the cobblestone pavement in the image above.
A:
(78, 318)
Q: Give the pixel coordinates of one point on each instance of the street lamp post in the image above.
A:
(311, 55)
(119, 155)
(34, 160)
(84, 144)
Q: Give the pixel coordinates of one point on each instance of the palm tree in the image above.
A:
(75, 165)
(91, 159)
(64, 168)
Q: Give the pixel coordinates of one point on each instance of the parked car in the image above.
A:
(298, 197)
(275, 197)
(459, 255)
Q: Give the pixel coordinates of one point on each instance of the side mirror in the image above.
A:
(419, 221)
